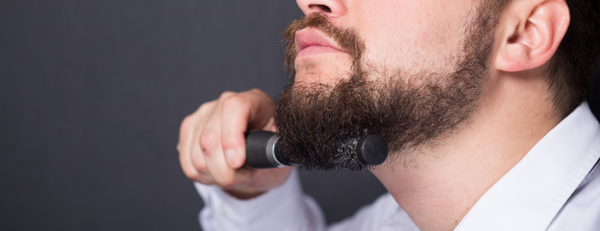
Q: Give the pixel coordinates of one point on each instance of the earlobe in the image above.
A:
(529, 33)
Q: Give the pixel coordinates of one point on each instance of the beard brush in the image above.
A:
(264, 150)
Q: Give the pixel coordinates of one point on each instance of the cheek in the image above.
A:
(390, 33)
(410, 36)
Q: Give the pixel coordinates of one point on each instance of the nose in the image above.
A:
(331, 8)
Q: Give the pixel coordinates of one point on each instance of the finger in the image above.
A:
(190, 156)
(216, 166)
(242, 112)
(210, 144)
(198, 162)
(270, 125)
(186, 135)
(261, 108)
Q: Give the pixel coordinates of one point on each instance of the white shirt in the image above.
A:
(554, 187)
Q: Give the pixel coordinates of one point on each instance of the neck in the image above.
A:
(445, 180)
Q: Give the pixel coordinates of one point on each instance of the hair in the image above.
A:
(571, 68)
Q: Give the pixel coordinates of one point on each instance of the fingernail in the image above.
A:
(231, 157)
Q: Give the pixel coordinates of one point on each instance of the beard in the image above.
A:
(408, 110)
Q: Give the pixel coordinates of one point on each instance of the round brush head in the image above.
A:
(371, 150)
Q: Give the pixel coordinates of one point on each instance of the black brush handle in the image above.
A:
(262, 150)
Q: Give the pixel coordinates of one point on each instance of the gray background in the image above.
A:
(92, 94)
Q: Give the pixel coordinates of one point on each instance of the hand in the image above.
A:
(212, 146)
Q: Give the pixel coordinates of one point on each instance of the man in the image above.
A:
(481, 102)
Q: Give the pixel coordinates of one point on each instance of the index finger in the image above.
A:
(242, 112)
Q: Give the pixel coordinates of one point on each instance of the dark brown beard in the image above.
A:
(315, 119)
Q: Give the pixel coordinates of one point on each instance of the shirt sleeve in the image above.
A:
(283, 208)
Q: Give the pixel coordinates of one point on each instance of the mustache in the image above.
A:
(347, 38)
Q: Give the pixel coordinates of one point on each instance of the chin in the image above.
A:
(329, 73)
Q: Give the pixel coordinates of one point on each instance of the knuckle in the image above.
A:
(199, 165)
(257, 91)
(190, 173)
(205, 108)
(186, 124)
(226, 94)
(231, 141)
(259, 94)
(227, 142)
(189, 122)
(234, 102)
(207, 141)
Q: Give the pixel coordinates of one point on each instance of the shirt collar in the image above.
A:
(531, 194)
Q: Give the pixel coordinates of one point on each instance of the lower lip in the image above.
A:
(316, 50)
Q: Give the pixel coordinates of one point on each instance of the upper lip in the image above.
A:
(313, 37)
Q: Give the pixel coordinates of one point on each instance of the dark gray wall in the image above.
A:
(92, 94)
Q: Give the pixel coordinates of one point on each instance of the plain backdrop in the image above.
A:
(92, 94)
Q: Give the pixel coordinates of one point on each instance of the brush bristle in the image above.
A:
(339, 155)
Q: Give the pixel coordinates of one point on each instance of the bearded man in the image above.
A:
(481, 101)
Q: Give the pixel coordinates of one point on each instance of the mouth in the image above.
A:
(311, 42)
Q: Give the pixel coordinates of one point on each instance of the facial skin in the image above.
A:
(411, 35)
(409, 110)
(410, 107)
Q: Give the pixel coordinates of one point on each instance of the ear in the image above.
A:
(529, 32)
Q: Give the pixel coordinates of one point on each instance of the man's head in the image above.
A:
(411, 71)
(569, 71)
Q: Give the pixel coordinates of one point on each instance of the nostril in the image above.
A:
(321, 8)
